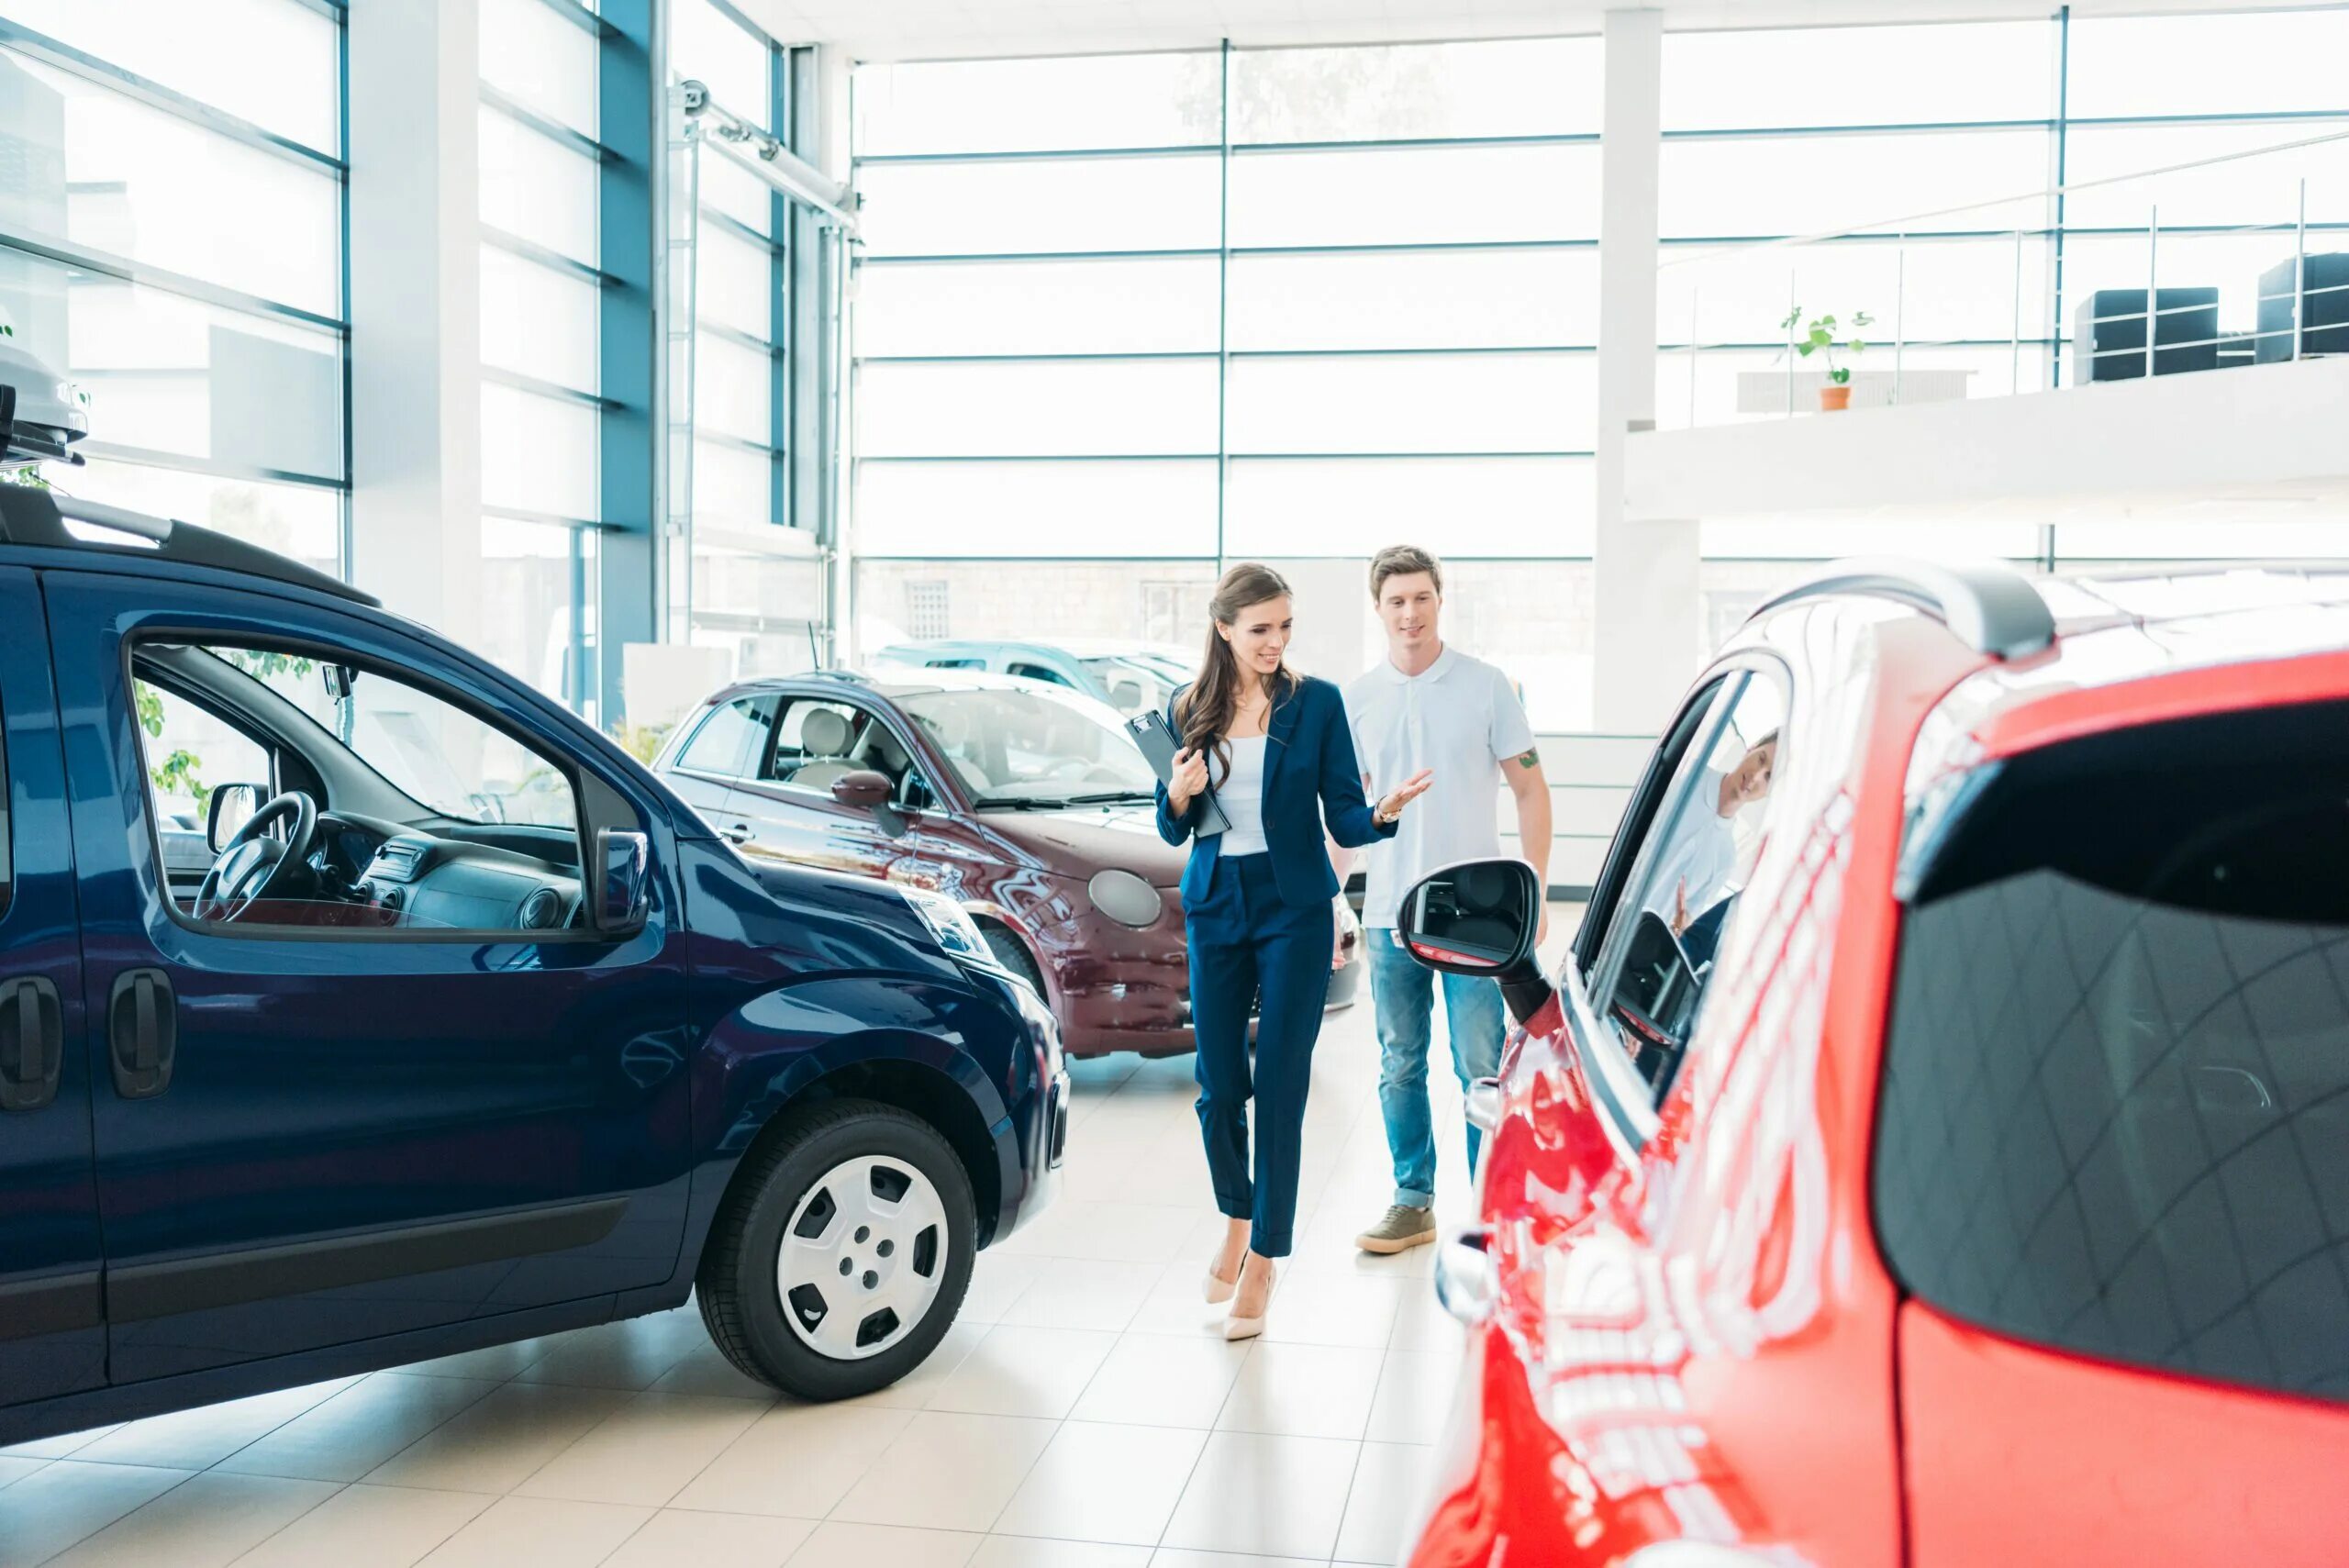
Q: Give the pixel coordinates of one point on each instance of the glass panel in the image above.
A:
(726, 186)
(707, 46)
(1107, 407)
(1157, 602)
(1110, 203)
(733, 388)
(536, 320)
(167, 375)
(539, 591)
(2263, 189)
(105, 171)
(1317, 507)
(1419, 403)
(746, 584)
(298, 520)
(1012, 105)
(1402, 92)
(534, 57)
(1923, 291)
(2225, 532)
(1398, 195)
(1825, 185)
(1953, 538)
(538, 454)
(1533, 618)
(1040, 308)
(1165, 506)
(1029, 745)
(736, 281)
(1881, 75)
(2163, 65)
(537, 188)
(269, 62)
(1442, 300)
(732, 486)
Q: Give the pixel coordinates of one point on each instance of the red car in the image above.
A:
(1935, 1149)
(1026, 802)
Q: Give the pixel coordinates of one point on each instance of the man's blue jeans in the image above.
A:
(1404, 992)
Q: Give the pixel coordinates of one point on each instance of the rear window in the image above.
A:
(2115, 1116)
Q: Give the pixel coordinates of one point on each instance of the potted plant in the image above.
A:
(1818, 338)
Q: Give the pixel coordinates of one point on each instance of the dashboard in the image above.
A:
(389, 875)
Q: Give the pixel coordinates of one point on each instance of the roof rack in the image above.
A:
(30, 517)
(1991, 609)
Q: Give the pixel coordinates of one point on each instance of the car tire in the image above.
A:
(1012, 953)
(783, 1316)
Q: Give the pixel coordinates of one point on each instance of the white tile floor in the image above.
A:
(1083, 1413)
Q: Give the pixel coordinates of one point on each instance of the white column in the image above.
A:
(415, 309)
(1646, 607)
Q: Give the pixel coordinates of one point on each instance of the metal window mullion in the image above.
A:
(211, 468)
(553, 391)
(738, 228)
(543, 519)
(122, 269)
(1223, 303)
(727, 439)
(780, 387)
(554, 261)
(568, 136)
(766, 348)
(64, 57)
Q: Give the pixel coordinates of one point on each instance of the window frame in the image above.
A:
(709, 717)
(210, 637)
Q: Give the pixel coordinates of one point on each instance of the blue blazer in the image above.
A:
(1310, 773)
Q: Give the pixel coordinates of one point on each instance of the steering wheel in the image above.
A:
(252, 866)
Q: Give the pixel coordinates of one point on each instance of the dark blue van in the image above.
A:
(359, 1004)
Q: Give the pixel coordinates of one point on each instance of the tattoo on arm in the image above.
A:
(1531, 759)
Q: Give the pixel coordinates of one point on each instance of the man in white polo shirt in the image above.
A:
(1429, 706)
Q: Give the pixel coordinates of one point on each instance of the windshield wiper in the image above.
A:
(1011, 802)
(1113, 798)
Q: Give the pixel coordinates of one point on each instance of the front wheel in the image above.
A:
(842, 1254)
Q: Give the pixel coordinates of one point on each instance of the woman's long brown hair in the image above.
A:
(1207, 707)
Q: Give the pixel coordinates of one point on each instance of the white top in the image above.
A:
(1460, 716)
(1701, 854)
(1241, 793)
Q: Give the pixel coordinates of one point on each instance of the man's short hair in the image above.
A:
(1401, 560)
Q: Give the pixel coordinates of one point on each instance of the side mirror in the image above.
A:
(622, 881)
(1658, 991)
(231, 807)
(863, 790)
(1479, 917)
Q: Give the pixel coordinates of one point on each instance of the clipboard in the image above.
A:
(1158, 748)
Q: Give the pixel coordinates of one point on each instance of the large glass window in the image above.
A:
(2134, 1144)
(202, 156)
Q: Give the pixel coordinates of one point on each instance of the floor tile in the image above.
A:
(646, 1452)
(369, 1527)
(496, 1364)
(1422, 1324)
(1171, 1557)
(46, 1512)
(674, 1539)
(538, 1532)
(884, 1546)
(1176, 1305)
(502, 1440)
(1022, 1552)
(1314, 1391)
(1277, 1496)
(1112, 1232)
(1024, 1372)
(633, 1354)
(705, 1369)
(1334, 1309)
(998, 1280)
(201, 1438)
(947, 1471)
(1414, 1395)
(796, 1460)
(918, 1387)
(1079, 1293)
(1162, 1381)
(16, 1469)
(59, 1447)
(1390, 1491)
(206, 1522)
(358, 1429)
(1105, 1484)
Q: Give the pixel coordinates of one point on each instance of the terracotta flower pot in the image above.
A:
(1834, 398)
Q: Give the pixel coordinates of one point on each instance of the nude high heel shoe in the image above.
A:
(1217, 1289)
(1236, 1327)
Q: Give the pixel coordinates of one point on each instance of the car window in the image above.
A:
(1041, 672)
(1655, 966)
(1033, 746)
(431, 817)
(2115, 1109)
(816, 744)
(732, 741)
(1134, 686)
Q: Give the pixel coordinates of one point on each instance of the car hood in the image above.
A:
(1082, 840)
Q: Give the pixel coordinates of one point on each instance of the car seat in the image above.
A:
(825, 735)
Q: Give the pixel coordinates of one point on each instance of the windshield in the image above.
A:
(1035, 747)
(1134, 686)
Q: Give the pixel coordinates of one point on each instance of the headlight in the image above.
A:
(1126, 898)
(955, 930)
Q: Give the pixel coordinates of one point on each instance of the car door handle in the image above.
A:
(740, 833)
(143, 1029)
(32, 1043)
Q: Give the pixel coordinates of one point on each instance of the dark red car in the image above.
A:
(1962, 1180)
(1026, 803)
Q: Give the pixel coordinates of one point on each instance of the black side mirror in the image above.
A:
(1479, 917)
(621, 880)
(231, 807)
(1656, 992)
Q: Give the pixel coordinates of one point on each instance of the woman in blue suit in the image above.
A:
(1272, 749)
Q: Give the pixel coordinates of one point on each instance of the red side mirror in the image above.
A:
(863, 790)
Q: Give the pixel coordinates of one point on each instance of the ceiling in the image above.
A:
(953, 29)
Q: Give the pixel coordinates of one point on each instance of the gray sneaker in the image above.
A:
(1403, 1228)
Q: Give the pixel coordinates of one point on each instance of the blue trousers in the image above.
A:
(1246, 945)
(1403, 990)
